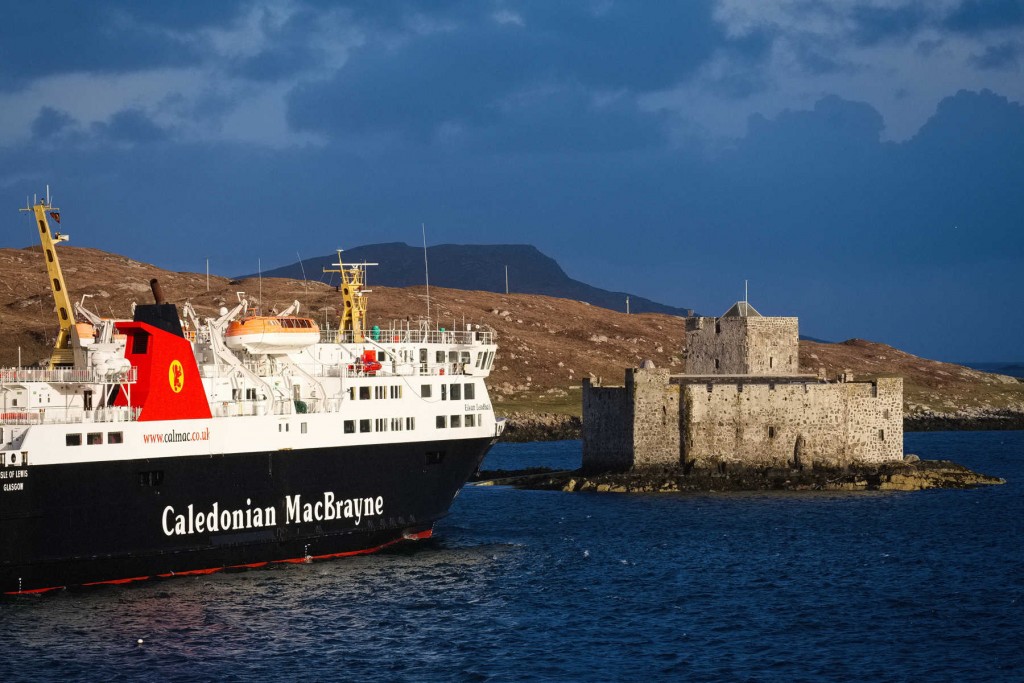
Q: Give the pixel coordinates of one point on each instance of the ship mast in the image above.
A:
(62, 355)
(353, 314)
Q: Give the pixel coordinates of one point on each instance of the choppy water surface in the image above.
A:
(529, 585)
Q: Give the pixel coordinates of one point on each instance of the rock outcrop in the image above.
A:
(911, 474)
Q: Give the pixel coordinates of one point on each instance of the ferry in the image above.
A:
(171, 444)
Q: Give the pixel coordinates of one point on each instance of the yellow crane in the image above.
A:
(353, 280)
(62, 356)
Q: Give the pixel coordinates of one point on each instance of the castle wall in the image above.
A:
(607, 427)
(742, 345)
(781, 425)
(656, 417)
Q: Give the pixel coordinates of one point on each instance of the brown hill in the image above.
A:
(546, 345)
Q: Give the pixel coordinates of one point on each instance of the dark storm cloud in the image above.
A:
(875, 24)
(130, 126)
(464, 76)
(51, 123)
(977, 16)
(1002, 56)
(44, 38)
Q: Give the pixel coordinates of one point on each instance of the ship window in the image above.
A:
(73, 439)
(115, 437)
(380, 425)
(441, 422)
(479, 358)
(410, 423)
(153, 478)
(425, 391)
(444, 392)
(471, 420)
(250, 394)
(303, 428)
(14, 402)
(364, 426)
(396, 391)
(87, 399)
(453, 356)
(140, 342)
(396, 424)
(94, 438)
(439, 356)
(456, 392)
(351, 393)
(380, 392)
(456, 420)
(470, 392)
(350, 426)
(435, 457)
(464, 357)
(364, 393)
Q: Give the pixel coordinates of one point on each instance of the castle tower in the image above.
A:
(742, 342)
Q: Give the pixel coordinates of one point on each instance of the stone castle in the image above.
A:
(741, 402)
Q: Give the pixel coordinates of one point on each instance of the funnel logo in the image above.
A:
(176, 376)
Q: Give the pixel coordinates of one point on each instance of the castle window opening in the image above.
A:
(711, 387)
(771, 432)
(717, 365)
(718, 327)
(881, 435)
(885, 414)
(771, 362)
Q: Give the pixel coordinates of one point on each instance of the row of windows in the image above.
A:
(455, 392)
(379, 392)
(380, 424)
(93, 438)
(444, 421)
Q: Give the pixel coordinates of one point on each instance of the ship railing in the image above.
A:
(52, 415)
(410, 336)
(66, 376)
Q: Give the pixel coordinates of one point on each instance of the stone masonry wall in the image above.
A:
(742, 345)
(656, 417)
(607, 427)
(780, 425)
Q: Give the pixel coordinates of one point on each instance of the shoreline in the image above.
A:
(912, 474)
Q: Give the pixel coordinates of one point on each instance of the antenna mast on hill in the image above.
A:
(426, 268)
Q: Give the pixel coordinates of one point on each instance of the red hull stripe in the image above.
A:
(419, 536)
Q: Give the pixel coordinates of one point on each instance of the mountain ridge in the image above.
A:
(472, 267)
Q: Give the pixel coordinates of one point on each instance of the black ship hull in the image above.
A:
(110, 522)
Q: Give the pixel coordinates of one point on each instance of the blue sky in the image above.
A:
(860, 162)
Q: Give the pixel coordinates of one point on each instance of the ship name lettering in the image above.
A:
(478, 406)
(216, 519)
(17, 486)
(330, 507)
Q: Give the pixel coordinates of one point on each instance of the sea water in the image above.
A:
(540, 585)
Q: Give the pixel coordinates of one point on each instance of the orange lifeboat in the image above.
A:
(263, 334)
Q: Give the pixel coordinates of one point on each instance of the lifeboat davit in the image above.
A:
(263, 334)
